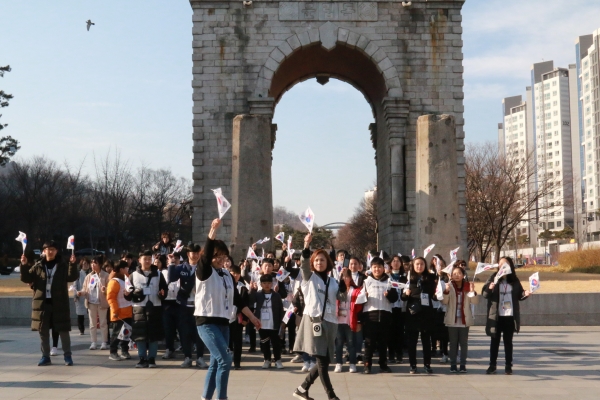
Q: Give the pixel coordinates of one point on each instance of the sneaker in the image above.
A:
(125, 355)
(104, 346)
(508, 370)
(413, 370)
(237, 367)
(247, 339)
(385, 370)
(444, 359)
(252, 350)
(200, 363)
(54, 351)
(44, 361)
(359, 359)
(297, 359)
(187, 363)
(266, 364)
(428, 369)
(151, 363)
(299, 395)
(279, 364)
(453, 369)
(168, 354)
(68, 361)
(312, 364)
(463, 369)
(338, 368)
(114, 357)
(93, 346)
(352, 369)
(305, 367)
(179, 348)
(143, 363)
(81, 333)
(491, 370)
(367, 370)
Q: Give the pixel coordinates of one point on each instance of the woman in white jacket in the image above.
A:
(458, 297)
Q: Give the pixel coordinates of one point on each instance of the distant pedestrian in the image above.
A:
(49, 277)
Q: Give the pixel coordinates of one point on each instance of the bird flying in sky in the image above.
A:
(89, 23)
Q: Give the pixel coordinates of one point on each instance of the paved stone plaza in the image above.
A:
(549, 363)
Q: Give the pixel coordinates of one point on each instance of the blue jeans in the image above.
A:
(216, 339)
(344, 334)
(151, 348)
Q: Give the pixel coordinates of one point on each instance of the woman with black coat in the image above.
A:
(503, 313)
(419, 317)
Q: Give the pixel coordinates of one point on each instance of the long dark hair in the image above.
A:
(512, 277)
(346, 273)
(426, 275)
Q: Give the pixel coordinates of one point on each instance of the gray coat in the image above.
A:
(80, 300)
(306, 341)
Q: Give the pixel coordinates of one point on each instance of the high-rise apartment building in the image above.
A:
(551, 113)
(587, 50)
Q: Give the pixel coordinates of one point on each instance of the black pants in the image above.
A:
(188, 332)
(251, 331)
(236, 331)
(270, 337)
(320, 370)
(81, 323)
(115, 329)
(376, 337)
(291, 328)
(505, 327)
(439, 333)
(396, 339)
(55, 337)
(170, 322)
(413, 339)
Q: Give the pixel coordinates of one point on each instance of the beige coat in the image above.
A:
(103, 283)
(450, 302)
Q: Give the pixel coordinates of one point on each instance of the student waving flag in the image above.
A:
(308, 219)
(23, 239)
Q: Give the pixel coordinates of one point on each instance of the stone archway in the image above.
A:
(407, 61)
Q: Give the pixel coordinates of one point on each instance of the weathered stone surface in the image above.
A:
(437, 214)
(414, 53)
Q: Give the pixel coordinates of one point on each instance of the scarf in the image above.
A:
(463, 292)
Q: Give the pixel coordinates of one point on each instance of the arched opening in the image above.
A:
(330, 124)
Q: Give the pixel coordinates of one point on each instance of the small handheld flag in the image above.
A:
(448, 269)
(428, 250)
(251, 254)
(503, 271)
(222, 203)
(289, 245)
(453, 254)
(282, 274)
(261, 241)
(412, 254)
(308, 219)
(178, 246)
(23, 239)
(71, 243)
(534, 282)
(397, 285)
(369, 259)
(439, 290)
(288, 314)
(280, 236)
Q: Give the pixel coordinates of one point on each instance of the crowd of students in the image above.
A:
(333, 307)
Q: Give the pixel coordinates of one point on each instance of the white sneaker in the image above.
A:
(54, 351)
(279, 364)
(444, 359)
(338, 368)
(312, 364)
(305, 367)
(200, 363)
(93, 346)
(187, 363)
(266, 365)
(297, 359)
(104, 346)
(352, 368)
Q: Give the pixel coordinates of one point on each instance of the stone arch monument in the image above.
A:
(405, 57)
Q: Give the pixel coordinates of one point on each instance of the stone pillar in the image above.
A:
(252, 198)
(437, 213)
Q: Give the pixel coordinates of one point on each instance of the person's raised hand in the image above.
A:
(73, 259)
(307, 240)
(215, 224)
(171, 258)
(24, 260)
(407, 292)
(526, 293)
(492, 286)
(471, 287)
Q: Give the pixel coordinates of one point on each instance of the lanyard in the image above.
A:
(326, 300)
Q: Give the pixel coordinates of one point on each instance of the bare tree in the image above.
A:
(360, 234)
(501, 192)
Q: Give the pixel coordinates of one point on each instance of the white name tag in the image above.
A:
(424, 299)
(264, 314)
(507, 307)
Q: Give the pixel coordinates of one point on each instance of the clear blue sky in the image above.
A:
(126, 85)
